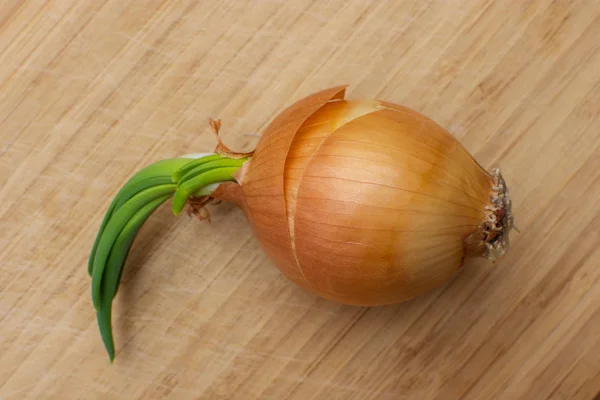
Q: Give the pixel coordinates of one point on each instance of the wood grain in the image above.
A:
(91, 91)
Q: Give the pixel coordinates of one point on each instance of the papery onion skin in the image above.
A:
(366, 202)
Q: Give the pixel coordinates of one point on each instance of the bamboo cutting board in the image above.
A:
(91, 91)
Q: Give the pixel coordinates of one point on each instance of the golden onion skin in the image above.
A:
(261, 180)
(363, 202)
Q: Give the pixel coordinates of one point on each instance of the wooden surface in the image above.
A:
(91, 91)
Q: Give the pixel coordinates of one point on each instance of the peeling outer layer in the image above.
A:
(222, 149)
(263, 180)
(492, 239)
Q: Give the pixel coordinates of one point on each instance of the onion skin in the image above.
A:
(366, 202)
(261, 180)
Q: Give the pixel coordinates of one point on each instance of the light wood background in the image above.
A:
(91, 91)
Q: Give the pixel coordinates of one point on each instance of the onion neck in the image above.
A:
(491, 240)
(198, 181)
(230, 192)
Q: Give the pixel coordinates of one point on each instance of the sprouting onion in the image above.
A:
(362, 202)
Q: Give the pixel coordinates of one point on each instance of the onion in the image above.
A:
(362, 202)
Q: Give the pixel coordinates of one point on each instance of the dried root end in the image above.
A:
(492, 239)
(196, 206)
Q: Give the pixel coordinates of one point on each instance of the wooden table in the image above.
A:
(91, 91)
